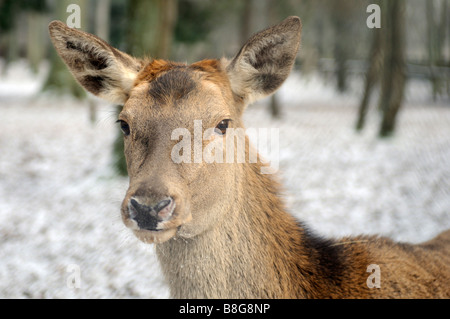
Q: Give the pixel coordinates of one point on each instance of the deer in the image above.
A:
(222, 230)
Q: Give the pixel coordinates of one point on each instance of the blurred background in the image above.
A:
(336, 41)
(364, 124)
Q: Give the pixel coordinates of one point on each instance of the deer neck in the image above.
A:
(257, 251)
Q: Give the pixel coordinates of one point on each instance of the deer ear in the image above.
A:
(99, 68)
(265, 61)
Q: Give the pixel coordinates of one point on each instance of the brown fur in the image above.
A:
(229, 235)
(150, 71)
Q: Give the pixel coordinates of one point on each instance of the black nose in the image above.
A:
(148, 217)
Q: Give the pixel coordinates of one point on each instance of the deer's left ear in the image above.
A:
(265, 61)
(99, 68)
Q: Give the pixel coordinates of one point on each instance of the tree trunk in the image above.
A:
(102, 21)
(444, 34)
(341, 67)
(35, 39)
(13, 50)
(432, 45)
(393, 77)
(166, 27)
(246, 19)
(341, 20)
(436, 41)
(150, 28)
(372, 76)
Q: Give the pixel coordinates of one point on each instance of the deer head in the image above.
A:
(167, 197)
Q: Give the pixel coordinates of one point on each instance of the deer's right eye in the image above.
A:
(124, 127)
(221, 128)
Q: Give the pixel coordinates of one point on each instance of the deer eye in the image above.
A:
(221, 128)
(124, 127)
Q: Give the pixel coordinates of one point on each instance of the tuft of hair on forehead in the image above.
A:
(210, 68)
(173, 85)
(155, 68)
(171, 81)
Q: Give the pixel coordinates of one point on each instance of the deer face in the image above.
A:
(172, 189)
(174, 116)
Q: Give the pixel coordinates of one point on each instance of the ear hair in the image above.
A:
(99, 68)
(265, 61)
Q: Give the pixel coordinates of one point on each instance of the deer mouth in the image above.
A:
(155, 236)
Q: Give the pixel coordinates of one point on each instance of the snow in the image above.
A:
(60, 201)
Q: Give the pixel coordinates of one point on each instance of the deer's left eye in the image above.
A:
(124, 127)
(221, 128)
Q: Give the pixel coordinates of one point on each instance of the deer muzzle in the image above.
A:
(154, 218)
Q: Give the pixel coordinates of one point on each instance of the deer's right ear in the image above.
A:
(101, 69)
(265, 61)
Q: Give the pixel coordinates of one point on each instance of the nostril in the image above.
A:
(134, 204)
(148, 217)
(162, 204)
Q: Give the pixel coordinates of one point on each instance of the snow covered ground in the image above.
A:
(59, 200)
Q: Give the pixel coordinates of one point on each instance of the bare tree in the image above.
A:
(102, 19)
(36, 33)
(393, 75)
(151, 25)
(341, 18)
(386, 65)
(372, 76)
(436, 15)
